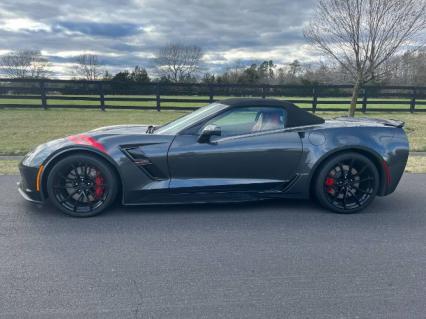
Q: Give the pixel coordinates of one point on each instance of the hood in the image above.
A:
(121, 129)
(101, 138)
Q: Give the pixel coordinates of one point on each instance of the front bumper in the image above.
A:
(27, 184)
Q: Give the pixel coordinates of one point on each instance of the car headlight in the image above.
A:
(38, 156)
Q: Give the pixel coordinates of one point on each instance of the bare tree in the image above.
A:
(361, 35)
(409, 68)
(178, 62)
(24, 64)
(233, 73)
(88, 67)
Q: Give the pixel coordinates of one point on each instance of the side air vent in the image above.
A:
(138, 157)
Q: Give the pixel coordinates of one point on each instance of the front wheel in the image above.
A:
(81, 185)
(347, 183)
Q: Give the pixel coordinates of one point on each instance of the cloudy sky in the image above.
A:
(125, 33)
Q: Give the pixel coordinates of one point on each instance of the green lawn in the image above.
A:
(21, 129)
(416, 164)
(9, 167)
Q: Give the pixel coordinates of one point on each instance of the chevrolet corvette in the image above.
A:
(228, 151)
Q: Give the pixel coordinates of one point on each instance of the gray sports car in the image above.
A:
(232, 150)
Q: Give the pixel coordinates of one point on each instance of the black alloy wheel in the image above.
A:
(81, 185)
(347, 183)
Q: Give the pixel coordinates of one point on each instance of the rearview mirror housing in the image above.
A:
(209, 131)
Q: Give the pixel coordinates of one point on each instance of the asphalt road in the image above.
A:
(264, 260)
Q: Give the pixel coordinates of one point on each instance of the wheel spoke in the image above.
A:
(63, 187)
(356, 197)
(74, 169)
(85, 195)
(341, 169)
(86, 168)
(73, 173)
(362, 170)
(344, 198)
(83, 170)
(361, 190)
(351, 165)
(365, 180)
(77, 203)
(65, 178)
(68, 197)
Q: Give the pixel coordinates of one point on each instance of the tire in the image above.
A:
(81, 185)
(347, 183)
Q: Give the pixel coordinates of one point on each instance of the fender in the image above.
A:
(54, 157)
(372, 154)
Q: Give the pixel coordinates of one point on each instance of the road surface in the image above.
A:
(259, 260)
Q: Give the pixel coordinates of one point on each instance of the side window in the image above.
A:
(245, 120)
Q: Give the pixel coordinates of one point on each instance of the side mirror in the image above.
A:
(209, 131)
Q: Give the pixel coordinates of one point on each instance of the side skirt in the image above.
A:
(218, 197)
(291, 190)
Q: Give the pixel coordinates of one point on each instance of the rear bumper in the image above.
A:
(395, 162)
(394, 172)
(27, 184)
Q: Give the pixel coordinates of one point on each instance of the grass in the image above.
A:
(416, 164)
(21, 130)
(9, 167)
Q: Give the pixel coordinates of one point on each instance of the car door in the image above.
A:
(250, 155)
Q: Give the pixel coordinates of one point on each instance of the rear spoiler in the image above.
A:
(394, 123)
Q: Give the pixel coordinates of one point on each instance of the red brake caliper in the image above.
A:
(329, 182)
(99, 187)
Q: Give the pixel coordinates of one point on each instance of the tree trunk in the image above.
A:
(354, 100)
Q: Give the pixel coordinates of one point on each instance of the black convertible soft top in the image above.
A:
(295, 115)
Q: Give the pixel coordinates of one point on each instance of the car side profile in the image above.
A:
(229, 151)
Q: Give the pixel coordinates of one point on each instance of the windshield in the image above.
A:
(178, 125)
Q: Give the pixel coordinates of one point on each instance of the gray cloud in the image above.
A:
(111, 30)
(128, 32)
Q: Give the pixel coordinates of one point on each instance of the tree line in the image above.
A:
(408, 68)
(362, 41)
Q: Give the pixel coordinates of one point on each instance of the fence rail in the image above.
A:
(103, 95)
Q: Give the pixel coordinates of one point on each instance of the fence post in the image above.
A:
(263, 92)
(158, 97)
(413, 101)
(364, 100)
(211, 93)
(314, 99)
(101, 96)
(43, 95)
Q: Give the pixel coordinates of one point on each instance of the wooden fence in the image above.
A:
(103, 95)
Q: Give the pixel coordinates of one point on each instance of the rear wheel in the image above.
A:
(347, 183)
(81, 185)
